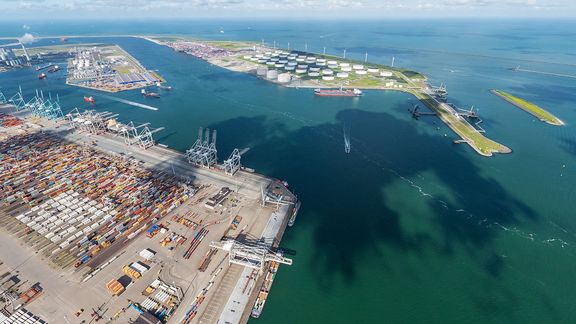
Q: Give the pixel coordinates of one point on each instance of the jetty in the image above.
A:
(529, 107)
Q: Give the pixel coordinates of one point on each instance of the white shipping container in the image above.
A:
(139, 267)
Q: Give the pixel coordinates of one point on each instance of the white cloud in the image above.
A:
(175, 8)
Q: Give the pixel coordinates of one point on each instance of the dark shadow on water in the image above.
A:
(569, 145)
(345, 201)
(343, 196)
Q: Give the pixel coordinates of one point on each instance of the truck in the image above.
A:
(236, 221)
(152, 231)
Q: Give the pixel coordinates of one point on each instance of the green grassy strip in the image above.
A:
(530, 108)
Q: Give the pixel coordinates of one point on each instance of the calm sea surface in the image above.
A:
(408, 227)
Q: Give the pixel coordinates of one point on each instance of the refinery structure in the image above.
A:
(119, 225)
(108, 68)
(293, 67)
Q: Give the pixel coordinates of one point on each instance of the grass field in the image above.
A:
(530, 108)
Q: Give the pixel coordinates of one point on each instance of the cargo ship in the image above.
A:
(149, 94)
(338, 92)
(294, 214)
(90, 100)
(41, 76)
(53, 69)
(265, 290)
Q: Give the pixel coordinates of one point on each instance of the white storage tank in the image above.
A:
(313, 74)
(361, 72)
(272, 75)
(342, 75)
(314, 69)
(332, 62)
(327, 72)
(289, 68)
(279, 65)
(270, 63)
(373, 70)
(386, 74)
(247, 57)
(346, 69)
(343, 64)
(328, 77)
(300, 71)
(284, 77)
(358, 67)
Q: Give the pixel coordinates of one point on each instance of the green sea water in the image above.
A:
(408, 227)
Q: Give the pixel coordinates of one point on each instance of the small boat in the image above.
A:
(149, 94)
(294, 213)
(42, 76)
(159, 85)
(90, 100)
(53, 69)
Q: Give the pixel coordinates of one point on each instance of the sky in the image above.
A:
(67, 9)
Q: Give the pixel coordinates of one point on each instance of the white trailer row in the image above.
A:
(67, 218)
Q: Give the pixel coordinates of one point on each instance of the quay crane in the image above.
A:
(232, 164)
(252, 256)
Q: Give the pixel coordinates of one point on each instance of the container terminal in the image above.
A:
(99, 222)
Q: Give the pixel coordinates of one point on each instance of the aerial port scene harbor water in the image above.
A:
(340, 166)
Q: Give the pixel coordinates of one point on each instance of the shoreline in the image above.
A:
(448, 115)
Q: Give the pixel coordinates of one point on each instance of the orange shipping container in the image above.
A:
(115, 287)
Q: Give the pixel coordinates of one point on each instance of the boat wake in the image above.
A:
(346, 139)
(131, 103)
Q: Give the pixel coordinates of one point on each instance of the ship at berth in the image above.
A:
(338, 92)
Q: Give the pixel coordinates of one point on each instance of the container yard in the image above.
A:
(110, 237)
(69, 207)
